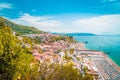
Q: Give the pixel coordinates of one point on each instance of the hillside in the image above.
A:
(21, 29)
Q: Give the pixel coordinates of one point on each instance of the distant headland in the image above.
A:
(77, 34)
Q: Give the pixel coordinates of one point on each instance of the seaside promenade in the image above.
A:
(107, 69)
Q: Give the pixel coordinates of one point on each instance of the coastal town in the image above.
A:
(47, 50)
(59, 39)
(63, 52)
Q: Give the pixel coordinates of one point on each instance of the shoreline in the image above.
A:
(111, 62)
(111, 59)
(106, 57)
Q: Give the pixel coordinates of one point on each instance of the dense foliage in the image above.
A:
(62, 72)
(15, 61)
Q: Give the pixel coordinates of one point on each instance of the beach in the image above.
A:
(111, 62)
(107, 69)
(103, 54)
(107, 44)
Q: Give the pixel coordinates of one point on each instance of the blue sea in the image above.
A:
(107, 44)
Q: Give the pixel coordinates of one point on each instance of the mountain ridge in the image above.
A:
(21, 29)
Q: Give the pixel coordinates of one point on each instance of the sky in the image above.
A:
(83, 16)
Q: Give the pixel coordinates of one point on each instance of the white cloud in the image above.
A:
(114, 5)
(103, 1)
(6, 6)
(41, 22)
(104, 24)
(101, 24)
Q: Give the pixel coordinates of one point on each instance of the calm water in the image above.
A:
(108, 44)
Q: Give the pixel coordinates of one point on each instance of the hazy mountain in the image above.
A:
(77, 34)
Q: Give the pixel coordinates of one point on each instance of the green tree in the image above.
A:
(65, 72)
(71, 51)
(15, 61)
